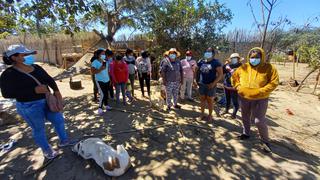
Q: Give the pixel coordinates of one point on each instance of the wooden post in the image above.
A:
(317, 82)
(56, 51)
(292, 60)
(294, 69)
(46, 51)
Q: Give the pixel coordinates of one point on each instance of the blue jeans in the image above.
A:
(35, 114)
(122, 87)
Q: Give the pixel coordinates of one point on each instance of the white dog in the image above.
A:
(113, 163)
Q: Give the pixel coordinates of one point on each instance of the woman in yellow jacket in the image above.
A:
(254, 81)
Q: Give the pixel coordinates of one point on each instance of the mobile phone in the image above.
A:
(104, 63)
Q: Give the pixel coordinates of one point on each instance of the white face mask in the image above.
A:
(188, 58)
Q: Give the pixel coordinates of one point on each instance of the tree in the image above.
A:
(39, 14)
(115, 14)
(187, 24)
(68, 14)
(270, 31)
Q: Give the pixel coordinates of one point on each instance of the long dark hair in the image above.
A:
(96, 54)
(6, 59)
(128, 51)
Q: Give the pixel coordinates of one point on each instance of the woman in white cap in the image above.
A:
(19, 82)
(172, 75)
(231, 93)
(189, 66)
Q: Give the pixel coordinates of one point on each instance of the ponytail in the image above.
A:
(7, 60)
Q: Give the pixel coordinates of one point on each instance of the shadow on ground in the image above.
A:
(175, 151)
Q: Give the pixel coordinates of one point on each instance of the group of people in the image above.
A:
(247, 86)
(109, 71)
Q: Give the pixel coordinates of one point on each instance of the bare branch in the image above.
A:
(268, 1)
(254, 16)
(264, 5)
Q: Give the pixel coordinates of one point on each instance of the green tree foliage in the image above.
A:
(187, 24)
(115, 14)
(70, 15)
(306, 42)
(310, 54)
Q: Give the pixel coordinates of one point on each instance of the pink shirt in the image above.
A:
(188, 67)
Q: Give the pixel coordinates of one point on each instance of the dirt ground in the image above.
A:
(182, 147)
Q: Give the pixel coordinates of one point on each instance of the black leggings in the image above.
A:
(95, 88)
(111, 92)
(232, 96)
(146, 77)
(103, 90)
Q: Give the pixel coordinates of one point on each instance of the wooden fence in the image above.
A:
(51, 47)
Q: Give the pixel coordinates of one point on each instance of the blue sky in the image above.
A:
(297, 11)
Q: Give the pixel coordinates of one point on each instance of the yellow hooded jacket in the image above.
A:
(258, 82)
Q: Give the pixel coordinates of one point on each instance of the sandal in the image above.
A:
(68, 142)
(209, 118)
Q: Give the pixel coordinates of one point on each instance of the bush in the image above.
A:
(310, 55)
(4, 35)
(278, 57)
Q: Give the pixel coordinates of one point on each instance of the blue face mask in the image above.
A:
(208, 55)
(172, 56)
(254, 61)
(103, 57)
(28, 60)
(234, 61)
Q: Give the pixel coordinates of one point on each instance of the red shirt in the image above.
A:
(119, 71)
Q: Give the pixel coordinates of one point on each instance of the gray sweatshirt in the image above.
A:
(171, 71)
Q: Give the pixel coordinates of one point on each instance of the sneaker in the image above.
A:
(266, 147)
(108, 108)
(225, 113)
(190, 100)
(177, 106)
(50, 154)
(130, 100)
(243, 137)
(68, 142)
(100, 111)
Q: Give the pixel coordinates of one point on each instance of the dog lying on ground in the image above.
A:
(113, 162)
(159, 96)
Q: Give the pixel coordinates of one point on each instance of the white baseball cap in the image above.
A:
(19, 49)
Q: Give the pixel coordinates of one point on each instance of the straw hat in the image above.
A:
(172, 50)
(234, 55)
